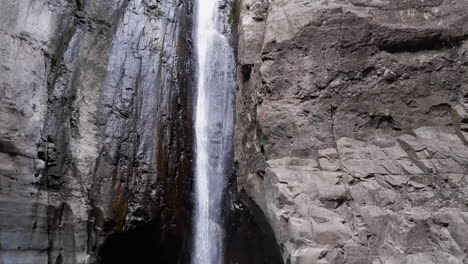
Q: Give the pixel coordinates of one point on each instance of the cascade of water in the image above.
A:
(214, 121)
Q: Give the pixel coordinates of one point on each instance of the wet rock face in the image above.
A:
(94, 98)
(351, 127)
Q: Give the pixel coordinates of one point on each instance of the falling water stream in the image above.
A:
(214, 121)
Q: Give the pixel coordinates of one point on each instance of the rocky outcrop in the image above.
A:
(351, 127)
(95, 96)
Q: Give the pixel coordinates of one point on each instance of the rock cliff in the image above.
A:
(351, 135)
(96, 136)
(352, 130)
(94, 98)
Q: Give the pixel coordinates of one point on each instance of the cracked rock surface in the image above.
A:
(352, 127)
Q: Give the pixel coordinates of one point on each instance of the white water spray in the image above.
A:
(214, 119)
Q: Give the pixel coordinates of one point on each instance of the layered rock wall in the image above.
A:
(351, 127)
(94, 98)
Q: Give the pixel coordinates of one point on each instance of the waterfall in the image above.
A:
(214, 125)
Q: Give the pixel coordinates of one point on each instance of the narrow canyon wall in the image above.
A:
(94, 98)
(352, 130)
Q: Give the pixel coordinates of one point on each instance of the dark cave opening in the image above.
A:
(143, 244)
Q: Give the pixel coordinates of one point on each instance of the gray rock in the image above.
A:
(356, 113)
(96, 136)
(94, 96)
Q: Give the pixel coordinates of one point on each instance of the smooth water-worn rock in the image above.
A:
(351, 127)
(94, 98)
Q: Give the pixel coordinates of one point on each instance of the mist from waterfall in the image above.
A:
(214, 126)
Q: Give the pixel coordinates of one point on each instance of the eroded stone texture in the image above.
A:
(351, 127)
(94, 98)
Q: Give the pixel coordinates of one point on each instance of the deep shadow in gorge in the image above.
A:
(249, 237)
(249, 240)
(142, 244)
